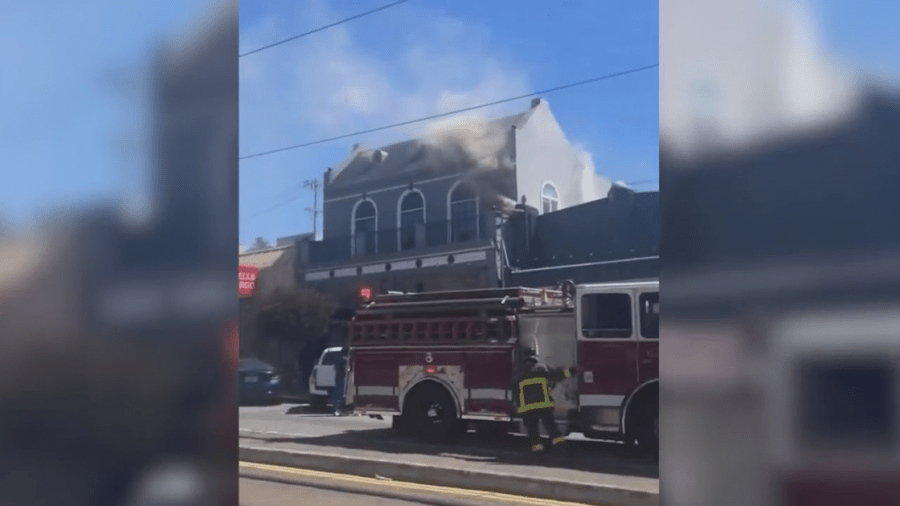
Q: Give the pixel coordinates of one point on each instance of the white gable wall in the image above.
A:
(544, 154)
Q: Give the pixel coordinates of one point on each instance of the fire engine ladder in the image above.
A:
(509, 299)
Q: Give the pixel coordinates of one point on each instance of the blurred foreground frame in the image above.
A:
(781, 288)
(116, 352)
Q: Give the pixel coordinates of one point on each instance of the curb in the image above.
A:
(560, 490)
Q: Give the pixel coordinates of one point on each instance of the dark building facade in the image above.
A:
(610, 239)
(426, 214)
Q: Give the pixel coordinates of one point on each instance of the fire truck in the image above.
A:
(442, 362)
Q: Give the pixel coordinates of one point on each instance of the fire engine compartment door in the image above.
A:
(554, 339)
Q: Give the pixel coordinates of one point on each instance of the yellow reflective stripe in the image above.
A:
(537, 447)
(567, 373)
(559, 440)
(533, 381)
(536, 405)
(546, 403)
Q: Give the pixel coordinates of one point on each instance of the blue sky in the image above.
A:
(64, 122)
(430, 56)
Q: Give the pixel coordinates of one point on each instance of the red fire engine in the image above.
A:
(439, 362)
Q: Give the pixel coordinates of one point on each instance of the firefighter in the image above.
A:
(534, 402)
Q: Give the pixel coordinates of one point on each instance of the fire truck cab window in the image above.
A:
(649, 310)
(606, 315)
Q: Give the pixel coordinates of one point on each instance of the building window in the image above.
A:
(549, 198)
(412, 220)
(463, 213)
(364, 222)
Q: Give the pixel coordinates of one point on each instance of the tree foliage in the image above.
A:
(300, 313)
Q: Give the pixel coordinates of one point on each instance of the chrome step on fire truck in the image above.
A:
(443, 361)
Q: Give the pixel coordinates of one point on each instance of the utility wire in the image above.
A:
(276, 206)
(322, 28)
(435, 116)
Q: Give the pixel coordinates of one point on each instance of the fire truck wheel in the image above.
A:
(431, 413)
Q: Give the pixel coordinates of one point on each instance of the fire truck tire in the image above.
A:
(430, 414)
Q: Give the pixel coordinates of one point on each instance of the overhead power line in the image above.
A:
(441, 115)
(276, 206)
(373, 11)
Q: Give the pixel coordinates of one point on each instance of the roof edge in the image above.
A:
(266, 250)
(530, 112)
(336, 171)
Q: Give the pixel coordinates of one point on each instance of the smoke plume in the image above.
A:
(593, 186)
(468, 143)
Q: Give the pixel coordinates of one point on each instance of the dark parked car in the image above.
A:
(258, 382)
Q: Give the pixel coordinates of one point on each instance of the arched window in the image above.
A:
(463, 213)
(364, 222)
(412, 220)
(549, 198)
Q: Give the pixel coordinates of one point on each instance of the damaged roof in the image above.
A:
(400, 159)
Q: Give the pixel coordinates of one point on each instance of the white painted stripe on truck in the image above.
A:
(488, 393)
(383, 391)
(601, 400)
(490, 417)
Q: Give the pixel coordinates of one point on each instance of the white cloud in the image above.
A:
(331, 83)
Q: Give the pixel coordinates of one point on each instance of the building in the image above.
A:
(275, 272)
(292, 239)
(620, 243)
(425, 214)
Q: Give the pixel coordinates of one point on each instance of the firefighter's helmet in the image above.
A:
(529, 355)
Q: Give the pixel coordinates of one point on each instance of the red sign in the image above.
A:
(247, 275)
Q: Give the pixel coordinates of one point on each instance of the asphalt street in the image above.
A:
(295, 427)
(262, 485)
(256, 492)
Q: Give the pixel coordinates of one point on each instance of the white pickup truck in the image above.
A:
(322, 379)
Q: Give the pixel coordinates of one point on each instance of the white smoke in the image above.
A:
(468, 143)
(506, 204)
(593, 186)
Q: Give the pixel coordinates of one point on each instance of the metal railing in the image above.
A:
(395, 240)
